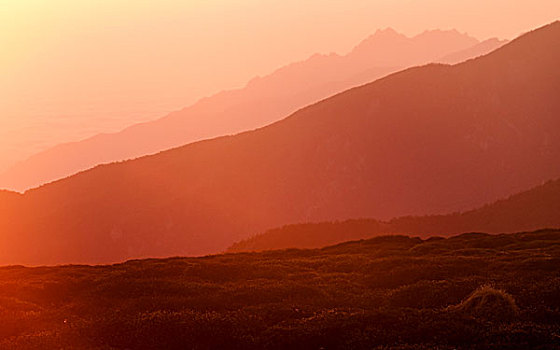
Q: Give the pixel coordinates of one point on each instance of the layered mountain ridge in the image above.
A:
(262, 101)
(530, 210)
(427, 140)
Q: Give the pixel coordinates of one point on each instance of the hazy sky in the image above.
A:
(72, 68)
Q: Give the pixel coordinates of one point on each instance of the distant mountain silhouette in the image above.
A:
(477, 50)
(535, 209)
(427, 140)
(262, 101)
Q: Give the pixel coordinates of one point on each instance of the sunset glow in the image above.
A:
(279, 174)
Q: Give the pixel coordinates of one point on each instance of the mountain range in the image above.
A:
(262, 101)
(426, 140)
(530, 210)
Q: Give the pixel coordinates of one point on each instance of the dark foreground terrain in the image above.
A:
(465, 292)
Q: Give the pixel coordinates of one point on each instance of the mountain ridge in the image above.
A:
(537, 208)
(467, 135)
(480, 49)
(262, 101)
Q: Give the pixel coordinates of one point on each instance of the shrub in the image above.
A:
(489, 303)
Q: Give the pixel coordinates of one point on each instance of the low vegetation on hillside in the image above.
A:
(465, 292)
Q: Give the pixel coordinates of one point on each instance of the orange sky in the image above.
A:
(69, 69)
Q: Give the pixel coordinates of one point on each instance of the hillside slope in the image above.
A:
(428, 140)
(477, 50)
(527, 211)
(262, 101)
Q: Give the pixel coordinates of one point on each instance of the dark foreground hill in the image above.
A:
(527, 211)
(428, 140)
(473, 291)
